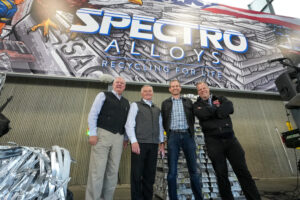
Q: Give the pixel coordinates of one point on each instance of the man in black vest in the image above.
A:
(106, 120)
(145, 131)
(178, 122)
(214, 117)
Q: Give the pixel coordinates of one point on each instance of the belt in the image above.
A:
(180, 131)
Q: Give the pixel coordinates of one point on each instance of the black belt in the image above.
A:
(180, 131)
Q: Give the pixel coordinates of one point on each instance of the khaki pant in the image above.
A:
(104, 166)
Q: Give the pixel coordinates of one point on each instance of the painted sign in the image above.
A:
(151, 41)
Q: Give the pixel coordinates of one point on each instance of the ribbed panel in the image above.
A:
(44, 113)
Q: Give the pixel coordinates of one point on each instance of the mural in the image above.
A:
(147, 41)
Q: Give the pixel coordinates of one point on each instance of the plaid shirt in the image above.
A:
(178, 118)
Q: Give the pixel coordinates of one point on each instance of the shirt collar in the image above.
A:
(148, 102)
(116, 94)
(176, 99)
(209, 100)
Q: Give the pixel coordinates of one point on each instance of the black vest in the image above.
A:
(113, 114)
(147, 123)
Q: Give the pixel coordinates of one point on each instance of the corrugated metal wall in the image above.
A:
(47, 112)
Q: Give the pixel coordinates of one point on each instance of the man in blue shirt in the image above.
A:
(178, 122)
(145, 131)
(106, 120)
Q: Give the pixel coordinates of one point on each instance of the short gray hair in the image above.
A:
(144, 86)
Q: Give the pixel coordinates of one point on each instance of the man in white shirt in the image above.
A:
(145, 132)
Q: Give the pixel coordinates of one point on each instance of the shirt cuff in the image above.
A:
(93, 133)
(133, 140)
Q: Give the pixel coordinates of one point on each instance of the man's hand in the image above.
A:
(135, 147)
(125, 143)
(161, 150)
(217, 103)
(93, 140)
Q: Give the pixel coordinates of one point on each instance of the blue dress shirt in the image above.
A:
(178, 118)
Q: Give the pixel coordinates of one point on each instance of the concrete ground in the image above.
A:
(270, 189)
(279, 189)
(122, 192)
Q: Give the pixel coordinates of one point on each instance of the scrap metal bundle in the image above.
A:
(34, 173)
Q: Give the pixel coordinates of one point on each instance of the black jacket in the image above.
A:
(215, 121)
(166, 109)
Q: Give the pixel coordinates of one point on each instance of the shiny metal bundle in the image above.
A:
(34, 173)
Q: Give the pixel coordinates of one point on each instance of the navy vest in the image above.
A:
(113, 114)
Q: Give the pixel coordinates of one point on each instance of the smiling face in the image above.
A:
(203, 91)
(175, 88)
(119, 85)
(147, 92)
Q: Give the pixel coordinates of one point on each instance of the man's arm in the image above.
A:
(93, 117)
(130, 128)
(192, 111)
(163, 113)
(161, 149)
(204, 112)
(161, 130)
(225, 108)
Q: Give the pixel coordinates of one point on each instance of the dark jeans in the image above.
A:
(220, 149)
(143, 168)
(187, 143)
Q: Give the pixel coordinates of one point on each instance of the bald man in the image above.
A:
(106, 120)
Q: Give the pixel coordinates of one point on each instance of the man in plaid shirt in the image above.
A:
(178, 122)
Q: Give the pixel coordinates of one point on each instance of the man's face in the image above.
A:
(175, 88)
(147, 93)
(119, 85)
(203, 91)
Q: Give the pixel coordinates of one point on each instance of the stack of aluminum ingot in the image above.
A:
(34, 173)
(210, 188)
